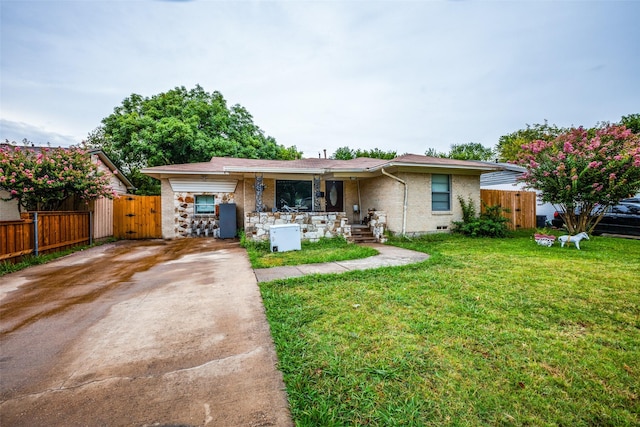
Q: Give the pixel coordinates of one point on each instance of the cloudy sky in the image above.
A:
(394, 75)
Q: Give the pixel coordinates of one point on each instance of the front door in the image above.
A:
(334, 196)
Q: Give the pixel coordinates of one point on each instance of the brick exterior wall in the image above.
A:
(388, 194)
(382, 193)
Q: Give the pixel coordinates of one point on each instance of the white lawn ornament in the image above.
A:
(544, 239)
(573, 239)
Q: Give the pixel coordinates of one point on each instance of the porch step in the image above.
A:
(362, 234)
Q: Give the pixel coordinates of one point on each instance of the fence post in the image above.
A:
(35, 233)
(90, 228)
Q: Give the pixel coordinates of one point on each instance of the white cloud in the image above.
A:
(400, 76)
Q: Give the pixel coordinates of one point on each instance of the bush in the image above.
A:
(490, 223)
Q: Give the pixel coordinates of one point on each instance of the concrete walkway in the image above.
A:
(389, 256)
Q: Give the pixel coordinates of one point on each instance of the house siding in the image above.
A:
(388, 193)
(383, 194)
(178, 211)
(9, 210)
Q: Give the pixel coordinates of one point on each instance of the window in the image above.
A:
(205, 205)
(294, 194)
(440, 192)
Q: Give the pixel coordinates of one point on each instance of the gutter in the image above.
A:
(406, 194)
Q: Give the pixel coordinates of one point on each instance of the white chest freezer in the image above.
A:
(284, 237)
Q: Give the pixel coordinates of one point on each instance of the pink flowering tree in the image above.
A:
(42, 179)
(582, 172)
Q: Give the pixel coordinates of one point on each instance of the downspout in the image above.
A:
(406, 194)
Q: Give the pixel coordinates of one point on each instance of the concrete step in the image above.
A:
(362, 234)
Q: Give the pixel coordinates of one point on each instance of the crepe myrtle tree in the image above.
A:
(582, 172)
(42, 179)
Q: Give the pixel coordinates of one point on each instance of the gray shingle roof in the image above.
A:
(221, 165)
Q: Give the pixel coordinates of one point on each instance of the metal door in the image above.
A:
(334, 196)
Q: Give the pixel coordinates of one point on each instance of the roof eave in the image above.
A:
(436, 166)
(113, 168)
(274, 170)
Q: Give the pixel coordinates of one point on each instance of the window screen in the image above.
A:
(440, 192)
(205, 204)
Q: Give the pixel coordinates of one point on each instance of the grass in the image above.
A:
(7, 267)
(325, 250)
(485, 332)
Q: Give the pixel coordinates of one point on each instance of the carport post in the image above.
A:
(35, 233)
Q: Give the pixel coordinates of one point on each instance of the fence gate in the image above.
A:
(521, 204)
(137, 217)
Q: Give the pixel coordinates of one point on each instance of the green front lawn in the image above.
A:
(325, 250)
(485, 332)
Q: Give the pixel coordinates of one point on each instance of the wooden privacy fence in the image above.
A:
(137, 217)
(44, 232)
(521, 205)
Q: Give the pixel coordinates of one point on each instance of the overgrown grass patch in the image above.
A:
(325, 250)
(485, 332)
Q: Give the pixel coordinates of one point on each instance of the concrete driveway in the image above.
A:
(139, 334)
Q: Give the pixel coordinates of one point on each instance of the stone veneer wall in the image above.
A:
(313, 225)
(184, 214)
(377, 225)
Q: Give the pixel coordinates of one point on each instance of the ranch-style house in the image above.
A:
(409, 195)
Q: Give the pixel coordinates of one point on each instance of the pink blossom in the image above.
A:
(567, 147)
(574, 178)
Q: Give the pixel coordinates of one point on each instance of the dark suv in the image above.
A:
(623, 218)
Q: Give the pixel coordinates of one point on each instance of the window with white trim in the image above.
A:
(440, 192)
(205, 204)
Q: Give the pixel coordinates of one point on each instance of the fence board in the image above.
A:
(102, 218)
(16, 239)
(137, 217)
(521, 204)
(56, 231)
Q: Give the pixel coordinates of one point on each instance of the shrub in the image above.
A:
(489, 223)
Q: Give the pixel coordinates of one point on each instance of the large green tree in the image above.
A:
(631, 122)
(583, 171)
(180, 126)
(468, 151)
(509, 146)
(346, 153)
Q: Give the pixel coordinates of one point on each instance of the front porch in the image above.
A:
(313, 225)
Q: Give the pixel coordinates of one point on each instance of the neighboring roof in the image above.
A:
(113, 168)
(507, 175)
(361, 166)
